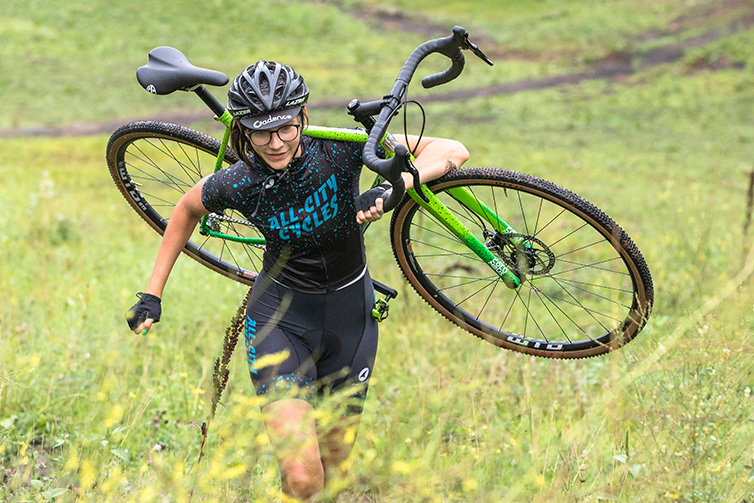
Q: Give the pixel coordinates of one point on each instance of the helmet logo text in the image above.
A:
(269, 119)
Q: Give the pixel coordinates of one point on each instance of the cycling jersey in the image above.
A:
(306, 212)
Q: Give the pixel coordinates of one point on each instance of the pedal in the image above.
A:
(381, 308)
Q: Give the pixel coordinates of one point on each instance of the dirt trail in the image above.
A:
(614, 66)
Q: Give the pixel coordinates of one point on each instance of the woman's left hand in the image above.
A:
(372, 214)
(369, 204)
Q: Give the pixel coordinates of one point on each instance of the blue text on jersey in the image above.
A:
(318, 208)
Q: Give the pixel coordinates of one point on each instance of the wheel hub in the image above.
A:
(523, 254)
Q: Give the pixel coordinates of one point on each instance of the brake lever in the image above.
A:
(411, 169)
(476, 50)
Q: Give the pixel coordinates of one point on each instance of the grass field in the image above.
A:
(90, 412)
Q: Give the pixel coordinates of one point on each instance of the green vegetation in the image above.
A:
(90, 412)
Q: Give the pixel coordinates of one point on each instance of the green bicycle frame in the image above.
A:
(434, 206)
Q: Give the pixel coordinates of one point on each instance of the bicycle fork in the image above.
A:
(438, 210)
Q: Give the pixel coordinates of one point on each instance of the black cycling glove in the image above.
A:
(368, 198)
(147, 307)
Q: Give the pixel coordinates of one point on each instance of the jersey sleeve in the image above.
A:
(225, 189)
(345, 155)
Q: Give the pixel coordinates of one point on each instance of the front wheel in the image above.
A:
(154, 164)
(585, 288)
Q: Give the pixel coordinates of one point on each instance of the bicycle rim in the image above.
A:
(586, 288)
(154, 164)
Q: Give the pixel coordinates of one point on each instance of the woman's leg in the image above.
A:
(291, 429)
(308, 457)
(272, 329)
(354, 334)
(335, 444)
(310, 453)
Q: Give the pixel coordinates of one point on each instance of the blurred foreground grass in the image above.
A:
(89, 411)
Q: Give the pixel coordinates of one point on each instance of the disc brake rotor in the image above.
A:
(525, 255)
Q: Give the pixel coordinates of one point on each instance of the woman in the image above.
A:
(311, 304)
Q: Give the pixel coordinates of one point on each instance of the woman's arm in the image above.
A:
(434, 157)
(186, 215)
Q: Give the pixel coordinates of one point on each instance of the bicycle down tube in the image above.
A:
(451, 222)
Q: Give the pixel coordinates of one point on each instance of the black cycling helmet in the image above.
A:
(266, 95)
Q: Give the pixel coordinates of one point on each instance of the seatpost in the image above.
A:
(210, 101)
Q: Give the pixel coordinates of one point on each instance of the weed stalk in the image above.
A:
(221, 371)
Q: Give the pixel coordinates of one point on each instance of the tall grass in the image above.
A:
(89, 411)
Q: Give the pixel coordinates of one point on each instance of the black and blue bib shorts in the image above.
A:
(315, 344)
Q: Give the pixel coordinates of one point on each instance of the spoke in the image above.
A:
(447, 252)
(152, 197)
(489, 296)
(225, 248)
(577, 303)
(542, 299)
(550, 222)
(539, 214)
(578, 287)
(470, 281)
(468, 214)
(196, 171)
(246, 249)
(580, 266)
(523, 213)
(528, 313)
(576, 283)
(542, 296)
(582, 248)
(445, 234)
(508, 311)
(473, 294)
(168, 181)
(573, 232)
(165, 150)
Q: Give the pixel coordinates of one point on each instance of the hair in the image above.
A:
(241, 144)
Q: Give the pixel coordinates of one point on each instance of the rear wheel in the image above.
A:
(585, 286)
(154, 164)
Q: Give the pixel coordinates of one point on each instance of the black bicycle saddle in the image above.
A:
(168, 70)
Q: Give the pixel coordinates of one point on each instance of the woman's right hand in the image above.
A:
(144, 313)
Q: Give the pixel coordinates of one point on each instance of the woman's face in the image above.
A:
(283, 143)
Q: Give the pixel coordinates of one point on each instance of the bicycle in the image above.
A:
(558, 278)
